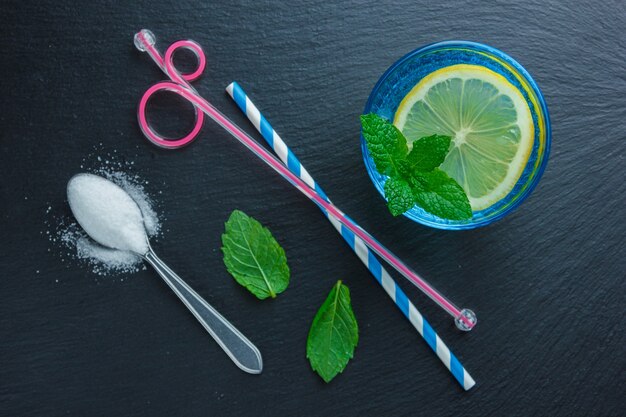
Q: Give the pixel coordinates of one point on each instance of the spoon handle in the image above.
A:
(245, 355)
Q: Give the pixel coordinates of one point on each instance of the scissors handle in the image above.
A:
(144, 41)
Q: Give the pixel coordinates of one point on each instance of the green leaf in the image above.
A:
(253, 257)
(334, 334)
(440, 195)
(399, 196)
(428, 152)
(385, 143)
(431, 188)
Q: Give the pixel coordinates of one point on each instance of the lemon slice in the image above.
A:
(489, 122)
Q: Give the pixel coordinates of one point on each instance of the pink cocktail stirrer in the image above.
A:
(465, 319)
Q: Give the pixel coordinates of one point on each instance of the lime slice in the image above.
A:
(489, 122)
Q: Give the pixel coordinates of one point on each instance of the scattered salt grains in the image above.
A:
(65, 233)
(115, 260)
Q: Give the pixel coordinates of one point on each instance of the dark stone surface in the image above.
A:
(547, 282)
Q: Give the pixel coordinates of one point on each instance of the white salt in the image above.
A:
(107, 213)
(115, 259)
(136, 191)
(103, 261)
(72, 241)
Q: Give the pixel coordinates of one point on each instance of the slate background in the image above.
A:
(547, 282)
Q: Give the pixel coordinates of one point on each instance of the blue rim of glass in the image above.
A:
(371, 169)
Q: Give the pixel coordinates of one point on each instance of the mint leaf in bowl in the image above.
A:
(414, 176)
(440, 195)
(428, 153)
(386, 144)
(399, 195)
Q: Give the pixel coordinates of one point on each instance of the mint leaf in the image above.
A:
(385, 143)
(334, 334)
(399, 196)
(428, 152)
(253, 257)
(440, 195)
(431, 188)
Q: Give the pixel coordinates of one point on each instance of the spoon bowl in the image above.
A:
(108, 214)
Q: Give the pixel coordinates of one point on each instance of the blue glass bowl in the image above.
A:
(402, 76)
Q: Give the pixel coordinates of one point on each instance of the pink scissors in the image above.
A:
(145, 40)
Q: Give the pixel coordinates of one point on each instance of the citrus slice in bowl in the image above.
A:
(488, 120)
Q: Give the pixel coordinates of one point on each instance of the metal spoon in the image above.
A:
(245, 355)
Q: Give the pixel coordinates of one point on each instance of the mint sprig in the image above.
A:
(414, 177)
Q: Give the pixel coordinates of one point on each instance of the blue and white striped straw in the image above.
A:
(358, 246)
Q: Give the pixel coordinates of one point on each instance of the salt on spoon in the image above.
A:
(107, 213)
(113, 219)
